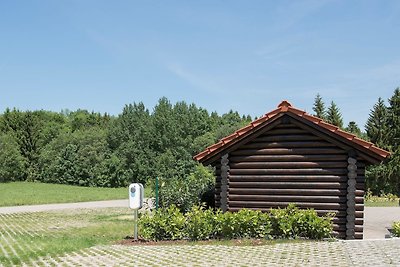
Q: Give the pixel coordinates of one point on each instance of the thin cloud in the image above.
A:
(195, 80)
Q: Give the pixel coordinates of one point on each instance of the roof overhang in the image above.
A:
(347, 141)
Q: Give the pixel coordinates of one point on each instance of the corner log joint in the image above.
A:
(351, 191)
(224, 182)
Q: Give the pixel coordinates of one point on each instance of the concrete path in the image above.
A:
(63, 206)
(378, 219)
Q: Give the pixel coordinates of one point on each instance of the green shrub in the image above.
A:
(294, 223)
(243, 224)
(163, 224)
(396, 229)
(186, 193)
(225, 225)
(202, 224)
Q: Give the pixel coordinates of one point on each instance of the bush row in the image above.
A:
(202, 224)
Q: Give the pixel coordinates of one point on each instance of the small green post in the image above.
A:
(156, 193)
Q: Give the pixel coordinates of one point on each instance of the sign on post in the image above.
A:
(136, 196)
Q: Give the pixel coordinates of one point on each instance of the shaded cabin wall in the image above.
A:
(290, 165)
(217, 196)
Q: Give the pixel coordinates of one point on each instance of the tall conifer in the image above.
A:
(394, 119)
(353, 128)
(376, 126)
(334, 116)
(319, 107)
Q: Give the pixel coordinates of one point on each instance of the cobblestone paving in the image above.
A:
(340, 253)
(337, 253)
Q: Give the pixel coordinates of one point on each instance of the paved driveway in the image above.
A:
(81, 205)
(378, 219)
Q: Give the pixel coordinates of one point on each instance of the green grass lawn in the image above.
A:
(383, 203)
(31, 235)
(27, 193)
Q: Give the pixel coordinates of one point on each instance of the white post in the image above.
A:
(136, 197)
(135, 218)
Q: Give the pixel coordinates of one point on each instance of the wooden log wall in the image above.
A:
(291, 165)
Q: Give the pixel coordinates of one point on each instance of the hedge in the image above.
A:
(203, 224)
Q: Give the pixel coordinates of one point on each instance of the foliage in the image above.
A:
(92, 149)
(396, 229)
(80, 158)
(167, 223)
(319, 107)
(385, 177)
(244, 224)
(294, 223)
(353, 128)
(376, 126)
(384, 200)
(383, 128)
(201, 224)
(333, 115)
(12, 163)
(185, 193)
(393, 120)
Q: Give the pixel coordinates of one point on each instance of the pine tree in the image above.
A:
(376, 125)
(394, 119)
(353, 128)
(333, 115)
(319, 107)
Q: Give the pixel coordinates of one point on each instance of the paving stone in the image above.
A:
(340, 253)
(307, 253)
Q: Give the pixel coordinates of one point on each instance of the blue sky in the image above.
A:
(221, 55)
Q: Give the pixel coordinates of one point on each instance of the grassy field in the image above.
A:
(28, 236)
(26, 193)
(383, 203)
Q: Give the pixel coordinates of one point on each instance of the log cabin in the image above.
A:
(288, 156)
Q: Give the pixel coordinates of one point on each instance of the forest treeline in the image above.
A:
(383, 129)
(92, 149)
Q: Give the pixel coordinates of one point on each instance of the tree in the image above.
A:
(353, 128)
(76, 158)
(319, 107)
(334, 116)
(376, 126)
(394, 120)
(12, 164)
(130, 137)
(25, 128)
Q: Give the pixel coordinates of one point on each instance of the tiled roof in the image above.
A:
(286, 107)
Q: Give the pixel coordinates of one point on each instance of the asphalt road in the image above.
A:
(63, 206)
(378, 219)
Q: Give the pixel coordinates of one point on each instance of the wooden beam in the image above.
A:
(351, 194)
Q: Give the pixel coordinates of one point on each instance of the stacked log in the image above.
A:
(288, 164)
